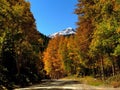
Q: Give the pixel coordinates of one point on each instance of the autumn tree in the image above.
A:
(52, 60)
(21, 45)
(61, 57)
(105, 38)
(97, 35)
(70, 55)
(64, 53)
(86, 11)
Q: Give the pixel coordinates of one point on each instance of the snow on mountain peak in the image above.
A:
(67, 31)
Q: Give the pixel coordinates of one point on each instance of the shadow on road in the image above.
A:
(53, 85)
(63, 85)
(59, 82)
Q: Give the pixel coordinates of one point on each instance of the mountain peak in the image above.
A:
(69, 28)
(67, 31)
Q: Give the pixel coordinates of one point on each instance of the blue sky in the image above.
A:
(54, 15)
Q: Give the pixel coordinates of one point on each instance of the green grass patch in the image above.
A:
(91, 81)
(87, 80)
(113, 81)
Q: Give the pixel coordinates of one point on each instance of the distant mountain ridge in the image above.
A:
(65, 32)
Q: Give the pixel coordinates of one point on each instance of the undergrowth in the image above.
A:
(113, 81)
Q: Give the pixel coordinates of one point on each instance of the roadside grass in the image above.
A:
(92, 81)
(113, 81)
(87, 80)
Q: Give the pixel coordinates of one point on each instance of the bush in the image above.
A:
(115, 84)
(4, 79)
(114, 81)
(3, 88)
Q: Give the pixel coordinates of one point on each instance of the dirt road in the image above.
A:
(63, 85)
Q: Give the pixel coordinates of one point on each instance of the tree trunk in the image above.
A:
(102, 69)
(113, 69)
(113, 66)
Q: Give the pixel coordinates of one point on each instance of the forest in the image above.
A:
(27, 56)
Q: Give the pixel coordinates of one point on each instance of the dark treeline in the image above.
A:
(21, 45)
(95, 48)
